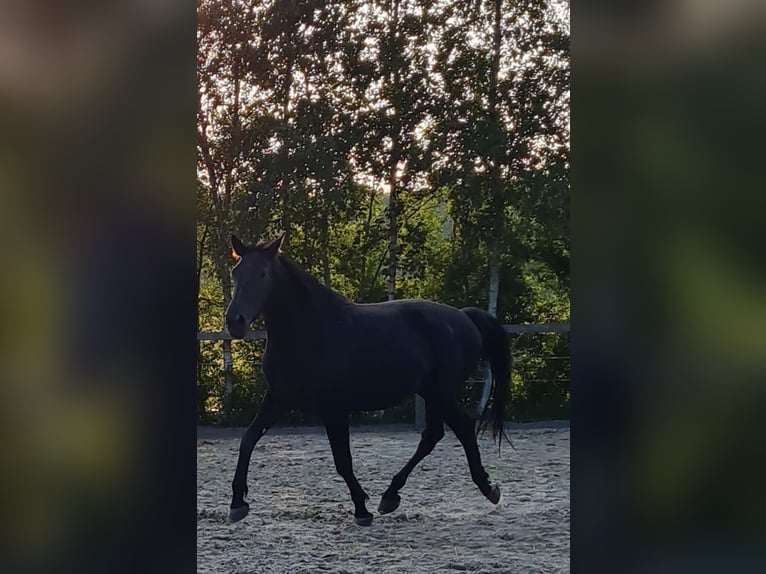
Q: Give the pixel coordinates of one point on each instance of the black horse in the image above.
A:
(329, 357)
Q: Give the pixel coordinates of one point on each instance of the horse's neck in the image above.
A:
(297, 302)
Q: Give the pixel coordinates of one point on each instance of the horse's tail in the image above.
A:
(497, 350)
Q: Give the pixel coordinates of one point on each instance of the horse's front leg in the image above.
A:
(268, 414)
(337, 432)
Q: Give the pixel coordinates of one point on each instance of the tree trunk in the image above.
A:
(222, 270)
(200, 255)
(393, 238)
(326, 247)
(498, 202)
(494, 278)
(363, 278)
(393, 198)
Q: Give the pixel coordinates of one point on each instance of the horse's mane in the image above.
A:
(306, 287)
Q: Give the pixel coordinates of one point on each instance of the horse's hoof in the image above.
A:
(494, 495)
(389, 504)
(363, 520)
(237, 514)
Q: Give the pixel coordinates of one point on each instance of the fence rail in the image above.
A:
(514, 329)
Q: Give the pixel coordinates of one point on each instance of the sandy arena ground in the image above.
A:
(301, 515)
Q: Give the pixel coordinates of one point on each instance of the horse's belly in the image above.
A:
(381, 397)
(364, 391)
(352, 400)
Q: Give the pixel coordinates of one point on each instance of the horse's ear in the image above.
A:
(275, 246)
(237, 247)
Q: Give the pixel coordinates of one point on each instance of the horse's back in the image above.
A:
(407, 316)
(445, 335)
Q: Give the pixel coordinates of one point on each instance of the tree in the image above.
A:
(393, 63)
(502, 122)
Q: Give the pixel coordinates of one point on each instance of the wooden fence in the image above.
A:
(525, 328)
(419, 404)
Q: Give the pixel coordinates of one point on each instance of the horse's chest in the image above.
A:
(297, 368)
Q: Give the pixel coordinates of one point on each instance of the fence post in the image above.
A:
(420, 412)
(228, 375)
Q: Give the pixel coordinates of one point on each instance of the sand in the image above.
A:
(301, 515)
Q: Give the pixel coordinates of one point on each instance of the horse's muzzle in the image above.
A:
(236, 326)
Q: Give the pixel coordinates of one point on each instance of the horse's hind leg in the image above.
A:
(337, 433)
(431, 435)
(463, 427)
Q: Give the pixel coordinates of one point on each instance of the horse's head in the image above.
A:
(252, 277)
